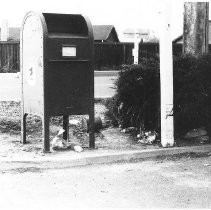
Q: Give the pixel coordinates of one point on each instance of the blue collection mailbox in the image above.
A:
(57, 56)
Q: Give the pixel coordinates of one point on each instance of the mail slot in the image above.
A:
(57, 69)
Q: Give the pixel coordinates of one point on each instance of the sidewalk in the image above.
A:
(113, 146)
(10, 85)
(66, 159)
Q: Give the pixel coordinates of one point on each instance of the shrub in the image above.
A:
(137, 99)
(192, 92)
(136, 102)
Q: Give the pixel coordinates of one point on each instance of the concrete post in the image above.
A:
(166, 78)
(196, 27)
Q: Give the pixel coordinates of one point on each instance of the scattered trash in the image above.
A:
(78, 148)
(61, 131)
(142, 141)
(151, 138)
(74, 122)
(58, 143)
(129, 130)
(148, 137)
(206, 164)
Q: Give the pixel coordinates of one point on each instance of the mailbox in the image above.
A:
(57, 70)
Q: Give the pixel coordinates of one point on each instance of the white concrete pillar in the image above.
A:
(166, 77)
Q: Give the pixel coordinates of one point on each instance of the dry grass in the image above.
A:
(10, 125)
(10, 118)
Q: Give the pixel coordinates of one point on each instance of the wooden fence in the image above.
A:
(112, 55)
(107, 55)
(9, 56)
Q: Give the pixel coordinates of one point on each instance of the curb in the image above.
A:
(93, 157)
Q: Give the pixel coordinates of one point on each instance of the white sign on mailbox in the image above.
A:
(68, 51)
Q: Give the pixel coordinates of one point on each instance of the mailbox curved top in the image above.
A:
(65, 25)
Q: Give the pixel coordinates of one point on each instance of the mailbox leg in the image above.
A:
(91, 130)
(23, 128)
(46, 141)
(66, 127)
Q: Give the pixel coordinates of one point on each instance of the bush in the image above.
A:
(136, 102)
(192, 92)
(137, 99)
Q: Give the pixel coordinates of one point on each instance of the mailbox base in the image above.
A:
(46, 139)
(91, 125)
(66, 127)
(23, 128)
(45, 128)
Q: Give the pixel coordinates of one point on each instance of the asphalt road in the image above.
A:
(10, 86)
(164, 183)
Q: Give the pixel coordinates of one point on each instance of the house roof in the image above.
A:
(101, 32)
(179, 39)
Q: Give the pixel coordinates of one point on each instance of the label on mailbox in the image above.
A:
(31, 76)
(68, 51)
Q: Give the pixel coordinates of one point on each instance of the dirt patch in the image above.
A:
(113, 138)
(107, 138)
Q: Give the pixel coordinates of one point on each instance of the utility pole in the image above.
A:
(166, 77)
(196, 28)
